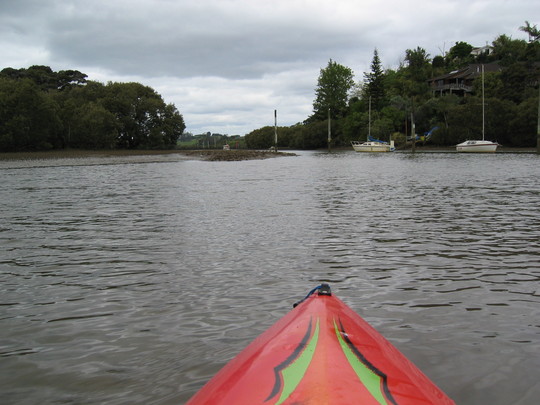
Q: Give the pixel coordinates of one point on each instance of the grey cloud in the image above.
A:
(228, 64)
(238, 52)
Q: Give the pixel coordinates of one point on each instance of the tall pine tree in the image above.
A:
(374, 83)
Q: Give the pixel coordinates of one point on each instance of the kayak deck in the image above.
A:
(321, 352)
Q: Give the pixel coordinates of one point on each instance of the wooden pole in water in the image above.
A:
(538, 127)
(275, 130)
(413, 130)
(413, 134)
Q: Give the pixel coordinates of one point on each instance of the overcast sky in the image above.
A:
(227, 64)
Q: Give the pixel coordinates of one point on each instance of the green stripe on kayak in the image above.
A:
(293, 374)
(370, 380)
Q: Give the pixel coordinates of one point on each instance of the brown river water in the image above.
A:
(131, 280)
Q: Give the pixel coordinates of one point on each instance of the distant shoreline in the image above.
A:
(204, 154)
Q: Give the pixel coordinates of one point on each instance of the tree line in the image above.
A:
(41, 109)
(511, 99)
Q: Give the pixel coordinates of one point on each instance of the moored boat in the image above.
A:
(373, 146)
(321, 352)
(477, 146)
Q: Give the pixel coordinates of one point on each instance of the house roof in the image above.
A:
(470, 72)
(481, 49)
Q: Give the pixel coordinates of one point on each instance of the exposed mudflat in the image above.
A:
(203, 154)
(233, 155)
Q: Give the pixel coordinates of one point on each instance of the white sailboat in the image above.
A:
(479, 145)
(372, 145)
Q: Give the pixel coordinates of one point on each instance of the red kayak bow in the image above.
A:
(321, 352)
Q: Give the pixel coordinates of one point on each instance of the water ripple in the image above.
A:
(134, 283)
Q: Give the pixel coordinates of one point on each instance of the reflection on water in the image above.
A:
(134, 282)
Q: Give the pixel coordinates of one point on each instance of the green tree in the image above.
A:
(439, 111)
(459, 55)
(509, 51)
(72, 101)
(172, 126)
(464, 121)
(498, 116)
(70, 78)
(41, 109)
(532, 31)
(314, 135)
(395, 116)
(532, 53)
(262, 138)
(417, 72)
(355, 121)
(28, 117)
(394, 83)
(374, 83)
(517, 82)
(93, 127)
(144, 120)
(438, 62)
(382, 127)
(334, 83)
(45, 77)
(523, 123)
(438, 65)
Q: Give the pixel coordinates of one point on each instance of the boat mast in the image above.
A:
(275, 130)
(369, 119)
(329, 131)
(483, 105)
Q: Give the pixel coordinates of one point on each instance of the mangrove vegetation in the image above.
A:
(41, 109)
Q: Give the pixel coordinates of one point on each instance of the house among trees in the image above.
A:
(460, 82)
(482, 50)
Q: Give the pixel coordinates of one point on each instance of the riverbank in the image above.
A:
(202, 154)
(205, 154)
(233, 155)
